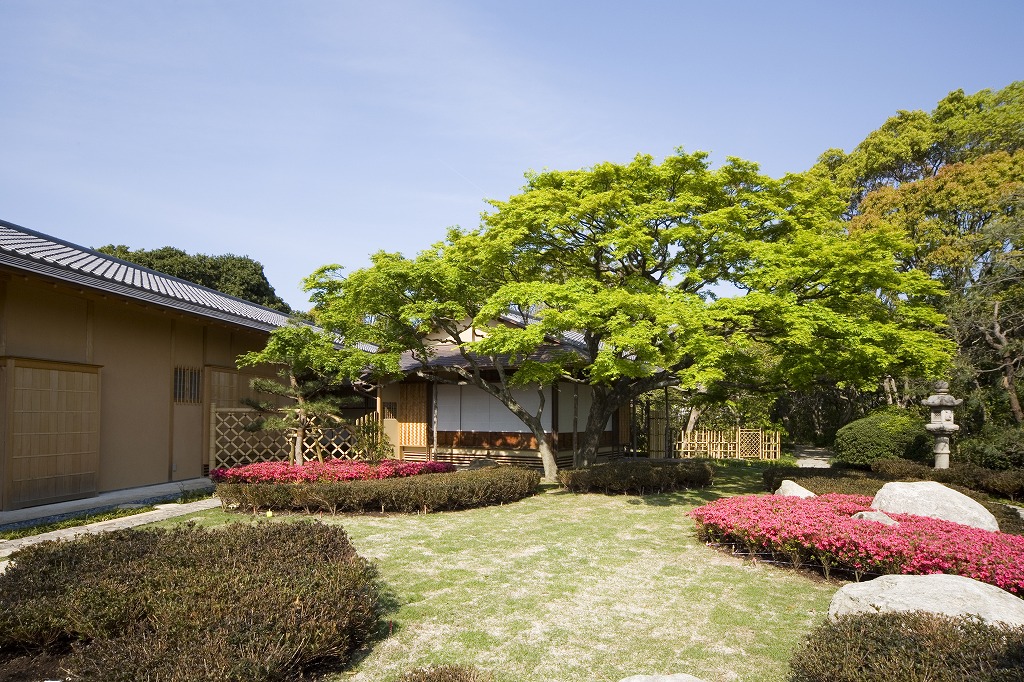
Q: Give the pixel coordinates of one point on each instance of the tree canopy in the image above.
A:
(913, 145)
(238, 276)
(609, 276)
(949, 185)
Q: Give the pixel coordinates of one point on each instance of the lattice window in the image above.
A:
(188, 385)
(390, 410)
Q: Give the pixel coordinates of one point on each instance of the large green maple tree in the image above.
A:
(608, 276)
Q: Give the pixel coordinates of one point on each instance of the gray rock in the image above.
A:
(793, 489)
(678, 677)
(878, 516)
(951, 595)
(482, 464)
(928, 498)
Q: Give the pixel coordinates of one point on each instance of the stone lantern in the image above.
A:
(941, 425)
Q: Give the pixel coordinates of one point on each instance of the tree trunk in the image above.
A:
(300, 437)
(601, 409)
(691, 421)
(1010, 384)
(547, 458)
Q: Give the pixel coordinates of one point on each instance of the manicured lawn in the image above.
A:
(569, 588)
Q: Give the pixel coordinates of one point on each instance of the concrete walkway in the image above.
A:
(162, 511)
(812, 457)
(145, 496)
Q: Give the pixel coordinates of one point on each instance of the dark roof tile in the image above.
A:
(30, 251)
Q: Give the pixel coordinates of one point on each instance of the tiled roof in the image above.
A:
(31, 251)
(444, 355)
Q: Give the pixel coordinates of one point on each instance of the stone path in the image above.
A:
(162, 511)
(812, 457)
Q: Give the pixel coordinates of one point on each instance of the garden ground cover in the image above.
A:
(579, 588)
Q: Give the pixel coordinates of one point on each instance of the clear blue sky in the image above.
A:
(307, 132)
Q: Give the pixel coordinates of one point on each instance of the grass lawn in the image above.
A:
(563, 587)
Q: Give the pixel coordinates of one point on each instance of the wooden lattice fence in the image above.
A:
(233, 442)
(731, 444)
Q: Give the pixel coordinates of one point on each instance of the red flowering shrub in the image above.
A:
(820, 530)
(331, 470)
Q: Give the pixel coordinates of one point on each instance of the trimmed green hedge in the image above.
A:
(638, 476)
(256, 602)
(910, 647)
(1007, 483)
(416, 494)
(885, 434)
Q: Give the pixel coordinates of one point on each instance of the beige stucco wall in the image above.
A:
(145, 437)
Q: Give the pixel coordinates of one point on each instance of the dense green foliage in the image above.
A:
(994, 447)
(238, 276)
(416, 494)
(607, 276)
(249, 602)
(638, 476)
(951, 182)
(446, 673)
(883, 434)
(910, 647)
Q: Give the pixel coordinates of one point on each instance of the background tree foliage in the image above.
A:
(950, 183)
(238, 276)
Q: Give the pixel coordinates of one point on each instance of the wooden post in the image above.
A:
(213, 436)
(433, 424)
(668, 429)
(575, 422)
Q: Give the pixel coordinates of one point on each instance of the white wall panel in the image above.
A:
(482, 412)
(449, 407)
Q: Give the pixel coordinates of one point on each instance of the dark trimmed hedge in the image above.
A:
(1007, 483)
(446, 673)
(910, 647)
(416, 494)
(638, 476)
(888, 433)
(248, 602)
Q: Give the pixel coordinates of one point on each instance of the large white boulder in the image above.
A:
(678, 677)
(880, 517)
(790, 488)
(928, 498)
(951, 595)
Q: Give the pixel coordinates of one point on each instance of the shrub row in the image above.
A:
(887, 433)
(824, 481)
(819, 531)
(638, 476)
(428, 493)
(330, 470)
(249, 602)
(1008, 482)
(910, 647)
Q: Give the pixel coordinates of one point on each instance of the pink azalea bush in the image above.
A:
(820, 530)
(331, 470)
